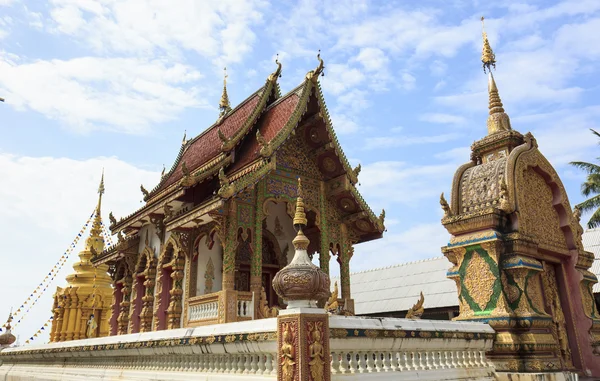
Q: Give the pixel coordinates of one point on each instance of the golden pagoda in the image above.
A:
(82, 308)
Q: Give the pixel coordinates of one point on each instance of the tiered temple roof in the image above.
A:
(240, 149)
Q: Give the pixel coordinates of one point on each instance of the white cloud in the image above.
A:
(387, 182)
(48, 201)
(400, 245)
(5, 26)
(341, 77)
(443, 118)
(372, 59)
(407, 81)
(216, 29)
(344, 124)
(403, 141)
(353, 100)
(120, 94)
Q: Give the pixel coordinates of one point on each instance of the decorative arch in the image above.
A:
(530, 175)
(143, 279)
(169, 274)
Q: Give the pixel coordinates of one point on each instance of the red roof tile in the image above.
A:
(272, 121)
(208, 145)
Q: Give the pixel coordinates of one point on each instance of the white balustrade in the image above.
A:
(209, 310)
(244, 308)
(401, 349)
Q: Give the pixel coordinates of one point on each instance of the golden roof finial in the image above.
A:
(498, 120)
(273, 76)
(313, 75)
(224, 105)
(488, 58)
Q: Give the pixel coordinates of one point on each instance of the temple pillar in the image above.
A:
(71, 321)
(324, 255)
(227, 228)
(104, 324)
(148, 298)
(174, 309)
(257, 260)
(123, 318)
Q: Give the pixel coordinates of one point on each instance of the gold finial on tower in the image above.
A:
(488, 58)
(224, 105)
(498, 120)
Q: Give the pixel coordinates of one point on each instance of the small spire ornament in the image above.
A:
(498, 120)
(224, 105)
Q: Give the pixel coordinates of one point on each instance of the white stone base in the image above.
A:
(52, 373)
(559, 376)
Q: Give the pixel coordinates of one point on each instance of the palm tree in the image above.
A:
(590, 186)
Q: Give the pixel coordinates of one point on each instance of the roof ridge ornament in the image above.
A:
(277, 73)
(224, 105)
(498, 120)
(313, 75)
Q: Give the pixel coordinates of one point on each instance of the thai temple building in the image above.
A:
(213, 277)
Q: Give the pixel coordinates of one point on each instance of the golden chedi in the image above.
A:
(82, 309)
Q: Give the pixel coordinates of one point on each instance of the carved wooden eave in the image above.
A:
(138, 218)
(250, 174)
(124, 249)
(195, 217)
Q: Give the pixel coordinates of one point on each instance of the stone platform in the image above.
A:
(360, 348)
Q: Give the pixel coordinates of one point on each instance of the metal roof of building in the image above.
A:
(591, 242)
(397, 288)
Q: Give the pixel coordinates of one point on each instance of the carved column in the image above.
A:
(104, 322)
(256, 265)
(227, 229)
(148, 298)
(324, 255)
(71, 318)
(58, 320)
(345, 254)
(123, 319)
(174, 310)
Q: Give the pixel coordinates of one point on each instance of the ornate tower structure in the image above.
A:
(516, 251)
(82, 309)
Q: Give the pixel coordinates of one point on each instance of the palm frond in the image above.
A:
(591, 185)
(594, 221)
(588, 167)
(590, 204)
(595, 133)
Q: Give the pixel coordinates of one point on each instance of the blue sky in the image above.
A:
(93, 84)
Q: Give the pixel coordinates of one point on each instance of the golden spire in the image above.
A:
(498, 120)
(94, 244)
(224, 105)
(300, 221)
(95, 241)
(488, 58)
